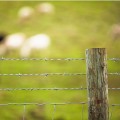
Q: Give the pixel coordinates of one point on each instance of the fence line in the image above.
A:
(56, 89)
(40, 104)
(41, 59)
(54, 107)
(42, 74)
(34, 89)
(50, 74)
(51, 59)
(38, 89)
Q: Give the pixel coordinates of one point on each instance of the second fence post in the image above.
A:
(97, 84)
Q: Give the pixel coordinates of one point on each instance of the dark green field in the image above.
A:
(73, 28)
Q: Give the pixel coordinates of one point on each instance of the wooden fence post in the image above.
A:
(97, 84)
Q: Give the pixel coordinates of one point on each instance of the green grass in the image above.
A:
(74, 27)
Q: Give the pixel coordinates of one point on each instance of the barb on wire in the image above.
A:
(39, 104)
(113, 88)
(34, 89)
(43, 74)
(40, 59)
(114, 59)
(116, 73)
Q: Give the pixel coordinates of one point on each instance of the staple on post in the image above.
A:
(97, 84)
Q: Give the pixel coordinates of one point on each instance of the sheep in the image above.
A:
(14, 41)
(45, 8)
(36, 42)
(25, 13)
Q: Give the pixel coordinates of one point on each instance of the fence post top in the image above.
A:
(94, 48)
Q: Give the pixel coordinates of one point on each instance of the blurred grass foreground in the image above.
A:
(54, 30)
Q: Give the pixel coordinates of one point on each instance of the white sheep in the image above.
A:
(25, 13)
(46, 8)
(14, 41)
(36, 42)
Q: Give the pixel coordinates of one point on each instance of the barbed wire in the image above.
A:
(42, 74)
(114, 59)
(40, 59)
(41, 104)
(38, 89)
(50, 59)
(115, 73)
(35, 89)
(113, 88)
(49, 74)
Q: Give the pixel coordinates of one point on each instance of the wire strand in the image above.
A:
(41, 104)
(51, 59)
(116, 73)
(50, 74)
(114, 59)
(45, 89)
(40, 59)
(42, 74)
(35, 89)
(48, 103)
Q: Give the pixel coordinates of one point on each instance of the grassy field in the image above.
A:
(74, 27)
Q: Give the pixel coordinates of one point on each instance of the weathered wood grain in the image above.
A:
(97, 84)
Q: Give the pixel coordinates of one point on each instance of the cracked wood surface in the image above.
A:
(97, 84)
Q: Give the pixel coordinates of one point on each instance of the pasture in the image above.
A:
(73, 27)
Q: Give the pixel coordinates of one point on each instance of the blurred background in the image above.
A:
(55, 30)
